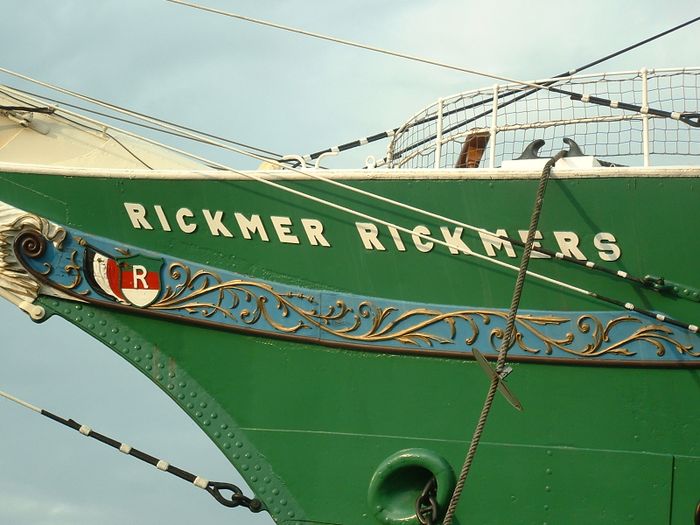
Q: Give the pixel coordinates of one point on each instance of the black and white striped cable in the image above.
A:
(311, 174)
(215, 488)
(692, 120)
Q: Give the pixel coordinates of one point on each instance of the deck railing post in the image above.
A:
(494, 120)
(438, 135)
(645, 116)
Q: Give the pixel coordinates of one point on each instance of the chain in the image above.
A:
(426, 504)
(236, 499)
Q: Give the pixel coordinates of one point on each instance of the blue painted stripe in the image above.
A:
(195, 293)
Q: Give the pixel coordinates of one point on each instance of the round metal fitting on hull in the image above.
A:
(399, 481)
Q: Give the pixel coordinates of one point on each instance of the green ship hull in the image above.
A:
(310, 424)
(324, 327)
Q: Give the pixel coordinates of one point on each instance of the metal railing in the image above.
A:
(513, 115)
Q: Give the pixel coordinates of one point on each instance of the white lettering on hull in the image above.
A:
(491, 243)
(185, 227)
(422, 245)
(216, 224)
(605, 243)
(396, 237)
(454, 239)
(314, 232)
(368, 235)
(536, 244)
(250, 226)
(282, 226)
(137, 215)
(568, 245)
(162, 218)
(373, 237)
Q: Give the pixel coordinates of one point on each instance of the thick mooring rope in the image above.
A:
(507, 338)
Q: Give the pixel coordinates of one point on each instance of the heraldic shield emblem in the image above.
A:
(134, 280)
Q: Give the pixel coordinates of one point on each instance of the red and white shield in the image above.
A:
(131, 280)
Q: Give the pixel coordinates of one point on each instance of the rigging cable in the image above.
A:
(522, 95)
(692, 120)
(102, 126)
(646, 281)
(45, 110)
(272, 155)
(215, 488)
(693, 328)
(52, 111)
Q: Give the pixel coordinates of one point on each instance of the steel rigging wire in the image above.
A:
(692, 120)
(627, 305)
(645, 281)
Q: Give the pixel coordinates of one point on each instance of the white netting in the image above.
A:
(605, 132)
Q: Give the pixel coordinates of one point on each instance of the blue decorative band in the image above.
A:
(98, 271)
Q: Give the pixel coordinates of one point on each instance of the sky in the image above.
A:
(278, 91)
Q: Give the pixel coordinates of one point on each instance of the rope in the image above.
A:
(590, 265)
(47, 111)
(516, 242)
(197, 137)
(507, 339)
(390, 133)
(693, 328)
(273, 156)
(687, 119)
(350, 43)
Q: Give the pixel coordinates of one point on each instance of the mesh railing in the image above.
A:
(435, 137)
